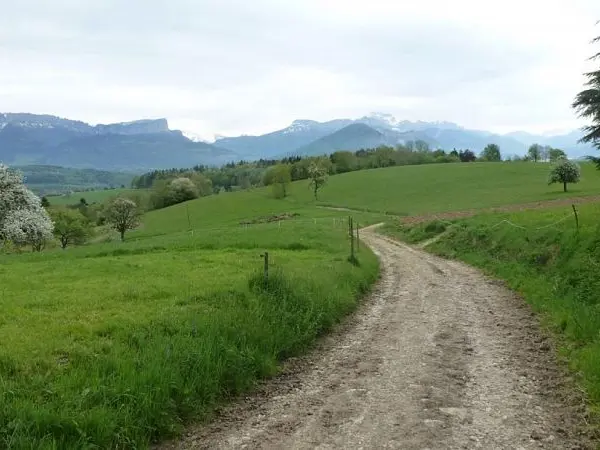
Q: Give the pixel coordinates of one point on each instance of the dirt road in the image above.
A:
(439, 357)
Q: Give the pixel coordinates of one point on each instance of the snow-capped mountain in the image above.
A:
(280, 142)
(312, 137)
(197, 137)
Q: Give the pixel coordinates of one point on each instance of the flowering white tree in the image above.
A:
(123, 214)
(23, 220)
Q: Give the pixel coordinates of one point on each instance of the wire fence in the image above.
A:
(279, 224)
(550, 225)
(342, 222)
(574, 215)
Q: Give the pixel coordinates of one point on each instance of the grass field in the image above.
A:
(543, 256)
(90, 196)
(113, 345)
(411, 190)
(429, 188)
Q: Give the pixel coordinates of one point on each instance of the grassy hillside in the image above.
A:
(113, 345)
(410, 190)
(117, 344)
(543, 256)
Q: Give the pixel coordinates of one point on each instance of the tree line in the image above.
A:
(171, 186)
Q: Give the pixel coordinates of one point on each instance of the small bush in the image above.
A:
(416, 233)
(435, 227)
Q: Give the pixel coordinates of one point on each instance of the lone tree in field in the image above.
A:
(23, 220)
(535, 152)
(564, 172)
(280, 177)
(317, 175)
(587, 105)
(70, 226)
(491, 153)
(123, 214)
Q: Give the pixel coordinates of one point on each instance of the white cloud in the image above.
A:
(232, 66)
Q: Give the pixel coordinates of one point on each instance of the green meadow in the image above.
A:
(433, 188)
(114, 345)
(117, 345)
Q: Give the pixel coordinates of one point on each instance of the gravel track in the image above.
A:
(438, 357)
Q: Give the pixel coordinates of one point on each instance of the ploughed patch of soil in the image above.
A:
(267, 219)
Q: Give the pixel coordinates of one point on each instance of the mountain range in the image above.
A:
(31, 139)
(305, 137)
(142, 145)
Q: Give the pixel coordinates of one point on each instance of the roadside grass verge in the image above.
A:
(415, 233)
(555, 267)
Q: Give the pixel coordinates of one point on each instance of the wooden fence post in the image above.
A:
(576, 217)
(266, 266)
(352, 257)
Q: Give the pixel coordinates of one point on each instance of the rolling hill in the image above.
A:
(352, 137)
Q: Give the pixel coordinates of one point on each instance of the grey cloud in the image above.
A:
(224, 42)
(226, 54)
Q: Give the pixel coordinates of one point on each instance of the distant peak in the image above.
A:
(197, 137)
(161, 121)
(303, 122)
(135, 127)
(384, 117)
(300, 125)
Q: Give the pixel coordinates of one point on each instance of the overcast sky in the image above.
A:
(237, 66)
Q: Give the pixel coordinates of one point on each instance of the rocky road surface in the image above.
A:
(439, 357)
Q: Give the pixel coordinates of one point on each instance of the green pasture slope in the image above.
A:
(429, 188)
(552, 264)
(115, 345)
(90, 196)
(433, 188)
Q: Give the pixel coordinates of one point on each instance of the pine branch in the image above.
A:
(594, 160)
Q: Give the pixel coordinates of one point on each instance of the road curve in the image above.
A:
(439, 357)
